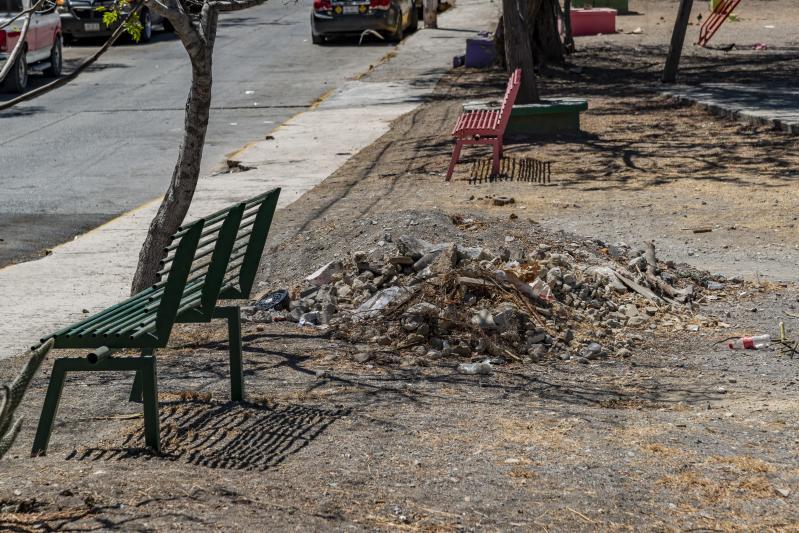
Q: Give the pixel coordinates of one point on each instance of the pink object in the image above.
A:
(486, 126)
(593, 21)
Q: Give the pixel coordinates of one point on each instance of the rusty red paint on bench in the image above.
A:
(486, 127)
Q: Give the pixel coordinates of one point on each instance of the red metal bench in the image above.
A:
(485, 127)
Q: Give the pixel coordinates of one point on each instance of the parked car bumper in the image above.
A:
(81, 27)
(383, 20)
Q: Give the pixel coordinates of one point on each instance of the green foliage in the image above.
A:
(118, 12)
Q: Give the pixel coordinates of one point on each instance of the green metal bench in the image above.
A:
(211, 259)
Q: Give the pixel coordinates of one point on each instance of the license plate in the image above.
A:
(350, 9)
(91, 26)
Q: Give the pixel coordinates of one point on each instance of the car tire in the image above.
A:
(17, 79)
(56, 60)
(413, 25)
(317, 39)
(398, 33)
(146, 26)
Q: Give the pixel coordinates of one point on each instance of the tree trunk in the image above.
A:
(499, 44)
(178, 197)
(568, 38)
(430, 13)
(542, 27)
(517, 51)
(677, 40)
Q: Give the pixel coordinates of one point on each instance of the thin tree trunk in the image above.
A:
(178, 197)
(677, 40)
(568, 38)
(430, 13)
(542, 25)
(517, 50)
(499, 44)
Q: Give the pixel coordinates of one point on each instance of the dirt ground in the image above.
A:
(685, 434)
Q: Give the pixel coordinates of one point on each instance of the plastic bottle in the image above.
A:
(750, 343)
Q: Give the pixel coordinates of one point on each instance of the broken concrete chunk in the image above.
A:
(325, 274)
(483, 368)
(381, 300)
(484, 319)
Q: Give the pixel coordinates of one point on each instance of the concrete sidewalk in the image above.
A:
(772, 105)
(95, 270)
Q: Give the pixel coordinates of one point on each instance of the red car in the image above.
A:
(42, 52)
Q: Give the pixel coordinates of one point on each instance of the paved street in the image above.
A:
(106, 143)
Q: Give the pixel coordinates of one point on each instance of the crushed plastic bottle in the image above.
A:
(750, 343)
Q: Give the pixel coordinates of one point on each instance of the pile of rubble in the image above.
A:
(417, 298)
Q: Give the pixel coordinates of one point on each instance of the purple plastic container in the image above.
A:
(480, 52)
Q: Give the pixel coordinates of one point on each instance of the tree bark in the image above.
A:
(518, 53)
(542, 26)
(568, 38)
(199, 42)
(499, 44)
(677, 40)
(430, 13)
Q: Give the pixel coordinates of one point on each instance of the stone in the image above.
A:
(484, 319)
(651, 310)
(471, 253)
(433, 354)
(414, 338)
(382, 299)
(402, 260)
(537, 338)
(635, 321)
(423, 309)
(623, 352)
(363, 357)
(324, 274)
(313, 318)
(608, 275)
(629, 310)
(483, 368)
(714, 285)
(592, 351)
(509, 320)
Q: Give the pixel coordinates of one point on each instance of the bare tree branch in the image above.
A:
(31, 10)
(12, 59)
(60, 82)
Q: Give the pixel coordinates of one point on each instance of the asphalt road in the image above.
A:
(107, 142)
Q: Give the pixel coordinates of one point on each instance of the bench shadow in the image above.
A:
(223, 435)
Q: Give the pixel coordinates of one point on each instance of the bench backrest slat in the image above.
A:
(514, 82)
(256, 234)
(215, 275)
(176, 280)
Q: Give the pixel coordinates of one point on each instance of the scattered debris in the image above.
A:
(524, 302)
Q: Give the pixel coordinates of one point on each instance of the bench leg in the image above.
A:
(51, 401)
(497, 157)
(143, 366)
(149, 383)
(456, 154)
(135, 391)
(233, 316)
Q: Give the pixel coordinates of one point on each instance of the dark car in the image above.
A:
(84, 18)
(390, 18)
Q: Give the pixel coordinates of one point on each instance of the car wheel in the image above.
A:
(17, 79)
(56, 60)
(398, 33)
(317, 39)
(414, 23)
(146, 26)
